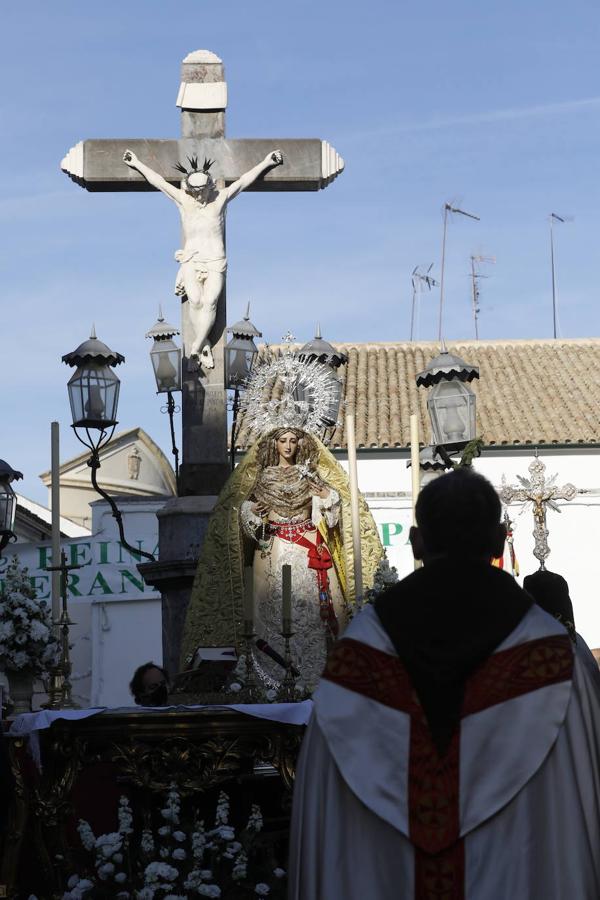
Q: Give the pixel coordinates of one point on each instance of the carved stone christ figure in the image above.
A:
(202, 259)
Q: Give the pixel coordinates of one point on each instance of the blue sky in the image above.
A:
(494, 106)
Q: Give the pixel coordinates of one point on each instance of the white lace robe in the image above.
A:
(308, 645)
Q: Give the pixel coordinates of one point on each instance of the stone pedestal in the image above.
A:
(182, 524)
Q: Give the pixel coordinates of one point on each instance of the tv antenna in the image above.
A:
(475, 276)
(552, 218)
(448, 208)
(419, 279)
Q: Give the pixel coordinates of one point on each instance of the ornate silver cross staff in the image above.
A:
(540, 494)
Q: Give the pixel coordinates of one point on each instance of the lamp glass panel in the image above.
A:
(451, 406)
(94, 396)
(8, 507)
(166, 362)
(239, 358)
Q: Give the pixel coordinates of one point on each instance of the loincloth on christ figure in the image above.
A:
(201, 268)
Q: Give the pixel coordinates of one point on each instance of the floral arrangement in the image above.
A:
(172, 864)
(385, 577)
(26, 639)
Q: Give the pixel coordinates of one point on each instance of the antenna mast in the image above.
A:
(475, 276)
(553, 217)
(418, 279)
(448, 208)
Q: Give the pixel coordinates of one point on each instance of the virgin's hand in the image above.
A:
(319, 490)
(259, 510)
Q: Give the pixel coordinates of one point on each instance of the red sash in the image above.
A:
(318, 558)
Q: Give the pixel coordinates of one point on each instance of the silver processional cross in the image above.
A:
(540, 493)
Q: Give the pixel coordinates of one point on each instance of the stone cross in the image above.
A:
(540, 493)
(97, 165)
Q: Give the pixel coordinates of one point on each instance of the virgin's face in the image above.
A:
(287, 447)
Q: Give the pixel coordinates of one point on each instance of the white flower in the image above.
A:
(105, 870)
(117, 858)
(73, 880)
(86, 835)
(206, 874)
(262, 889)
(120, 877)
(7, 629)
(164, 830)
(146, 893)
(278, 873)
(179, 853)
(156, 870)
(222, 816)
(271, 695)
(235, 687)
(208, 890)
(179, 836)
(226, 832)
(125, 816)
(163, 852)
(38, 631)
(108, 844)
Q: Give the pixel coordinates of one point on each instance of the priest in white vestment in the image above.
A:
(454, 751)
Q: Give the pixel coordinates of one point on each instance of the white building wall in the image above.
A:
(118, 618)
(574, 533)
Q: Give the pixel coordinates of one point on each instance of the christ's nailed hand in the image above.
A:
(130, 158)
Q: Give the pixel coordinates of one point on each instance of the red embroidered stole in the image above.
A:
(433, 782)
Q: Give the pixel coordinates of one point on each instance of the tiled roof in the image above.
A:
(529, 392)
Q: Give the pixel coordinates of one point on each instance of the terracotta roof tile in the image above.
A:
(529, 392)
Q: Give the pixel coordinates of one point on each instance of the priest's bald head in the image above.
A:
(458, 516)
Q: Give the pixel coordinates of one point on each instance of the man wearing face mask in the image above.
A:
(150, 685)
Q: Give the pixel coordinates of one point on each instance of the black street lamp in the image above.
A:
(8, 503)
(319, 352)
(240, 353)
(94, 396)
(165, 356)
(451, 403)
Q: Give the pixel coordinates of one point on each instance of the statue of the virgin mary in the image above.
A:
(287, 503)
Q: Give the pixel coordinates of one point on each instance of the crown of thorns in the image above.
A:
(193, 161)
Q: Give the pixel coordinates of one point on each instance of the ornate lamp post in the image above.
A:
(94, 396)
(8, 503)
(319, 352)
(451, 403)
(240, 353)
(165, 356)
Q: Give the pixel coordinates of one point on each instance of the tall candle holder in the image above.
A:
(60, 689)
(252, 691)
(287, 688)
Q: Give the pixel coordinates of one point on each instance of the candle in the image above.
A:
(286, 598)
(248, 599)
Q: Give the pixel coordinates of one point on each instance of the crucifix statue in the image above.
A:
(540, 493)
(203, 263)
(201, 172)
